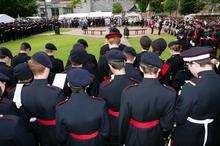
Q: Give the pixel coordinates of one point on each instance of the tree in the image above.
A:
(117, 8)
(156, 6)
(190, 6)
(74, 2)
(170, 5)
(214, 4)
(18, 7)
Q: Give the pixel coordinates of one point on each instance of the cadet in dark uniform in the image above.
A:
(5, 68)
(7, 107)
(13, 132)
(24, 76)
(198, 107)
(146, 109)
(158, 46)
(111, 91)
(114, 40)
(40, 99)
(145, 43)
(57, 64)
(81, 120)
(22, 55)
(91, 65)
(173, 72)
(131, 71)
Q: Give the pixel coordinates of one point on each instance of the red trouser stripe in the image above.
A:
(47, 122)
(84, 136)
(113, 113)
(138, 124)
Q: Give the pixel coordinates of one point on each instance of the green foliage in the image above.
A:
(18, 7)
(190, 6)
(156, 6)
(170, 5)
(142, 5)
(74, 2)
(117, 8)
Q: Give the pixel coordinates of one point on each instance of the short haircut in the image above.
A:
(25, 46)
(149, 69)
(36, 67)
(176, 48)
(117, 64)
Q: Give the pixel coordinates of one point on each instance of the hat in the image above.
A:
(25, 46)
(173, 43)
(50, 46)
(83, 42)
(79, 77)
(196, 53)
(151, 58)
(5, 52)
(113, 32)
(145, 41)
(159, 45)
(43, 59)
(78, 56)
(77, 47)
(3, 78)
(130, 51)
(115, 55)
(22, 72)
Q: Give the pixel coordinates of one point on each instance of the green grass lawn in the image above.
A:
(135, 43)
(65, 42)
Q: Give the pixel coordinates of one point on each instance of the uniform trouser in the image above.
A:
(114, 141)
(152, 30)
(159, 31)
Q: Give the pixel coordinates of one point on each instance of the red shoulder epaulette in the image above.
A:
(62, 102)
(105, 83)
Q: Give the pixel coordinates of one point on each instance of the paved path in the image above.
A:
(79, 32)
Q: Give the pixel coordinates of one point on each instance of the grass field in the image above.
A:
(134, 42)
(65, 42)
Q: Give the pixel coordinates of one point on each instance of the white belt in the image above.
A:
(202, 122)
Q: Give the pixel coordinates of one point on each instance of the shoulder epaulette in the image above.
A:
(97, 98)
(134, 80)
(62, 102)
(106, 83)
(193, 81)
(5, 101)
(169, 87)
(130, 86)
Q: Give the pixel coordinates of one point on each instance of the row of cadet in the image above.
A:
(125, 99)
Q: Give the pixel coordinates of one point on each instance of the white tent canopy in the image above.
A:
(100, 14)
(6, 19)
(84, 15)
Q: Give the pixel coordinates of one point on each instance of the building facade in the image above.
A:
(60, 7)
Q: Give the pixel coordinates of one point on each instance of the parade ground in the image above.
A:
(68, 37)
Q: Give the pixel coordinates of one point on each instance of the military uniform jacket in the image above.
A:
(8, 71)
(39, 100)
(177, 73)
(20, 58)
(13, 132)
(7, 107)
(147, 102)
(111, 91)
(57, 67)
(199, 100)
(81, 115)
(133, 72)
